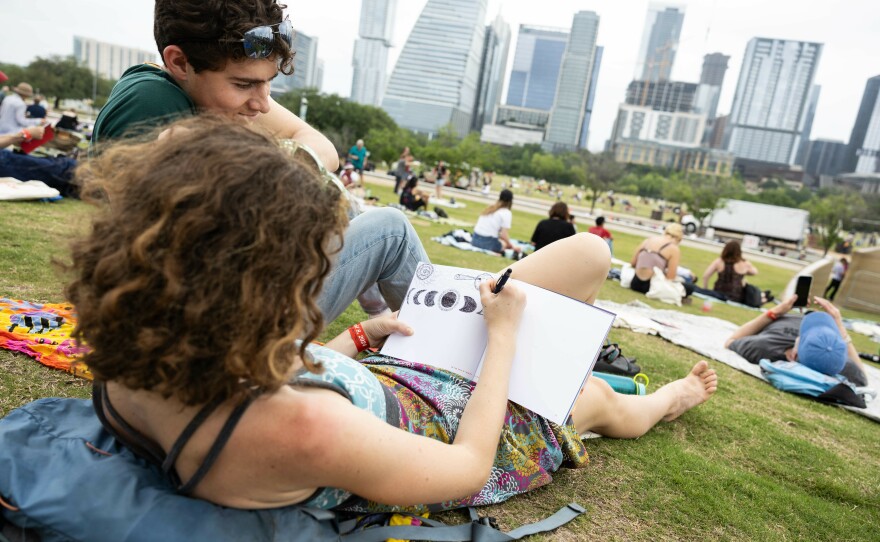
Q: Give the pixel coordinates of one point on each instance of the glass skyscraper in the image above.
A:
(772, 100)
(863, 152)
(370, 59)
(493, 64)
(565, 130)
(659, 42)
(434, 83)
(536, 65)
(307, 71)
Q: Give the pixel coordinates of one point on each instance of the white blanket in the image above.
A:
(14, 190)
(706, 335)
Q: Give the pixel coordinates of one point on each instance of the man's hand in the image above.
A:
(378, 329)
(785, 306)
(829, 307)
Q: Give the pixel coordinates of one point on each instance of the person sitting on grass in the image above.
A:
(558, 226)
(662, 252)
(492, 230)
(732, 269)
(56, 172)
(411, 197)
(221, 57)
(599, 229)
(818, 340)
(197, 293)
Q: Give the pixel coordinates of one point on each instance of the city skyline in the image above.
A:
(846, 29)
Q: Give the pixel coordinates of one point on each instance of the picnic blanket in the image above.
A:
(12, 189)
(461, 239)
(706, 335)
(43, 332)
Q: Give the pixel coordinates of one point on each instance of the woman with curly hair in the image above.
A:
(196, 293)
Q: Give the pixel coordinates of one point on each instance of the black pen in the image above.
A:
(500, 284)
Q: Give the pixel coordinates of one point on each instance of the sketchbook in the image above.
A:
(557, 345)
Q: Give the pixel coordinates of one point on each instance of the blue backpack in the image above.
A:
(798, 378)
(63, 477)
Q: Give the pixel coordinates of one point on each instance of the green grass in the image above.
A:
(752, 464)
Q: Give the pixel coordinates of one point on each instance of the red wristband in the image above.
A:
(771, 315)
(26, 135)
(359, 337)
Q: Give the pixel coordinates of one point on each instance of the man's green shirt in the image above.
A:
(144, 98)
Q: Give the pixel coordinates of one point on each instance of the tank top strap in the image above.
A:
(187, 433)
(216, 448)
(129, 436)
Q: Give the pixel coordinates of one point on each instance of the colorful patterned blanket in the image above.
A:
(43, 332)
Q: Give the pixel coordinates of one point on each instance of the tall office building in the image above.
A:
(809, 116)
(825, 157)
(536, 65)
(565, 129)
(307, 68)
(108, 60)
(434, 83)
(770, 106)
(591, 96)
(662, 95)
(370, 59)
(714, 68)
(863, 152)
(659, 42)
(493, 64)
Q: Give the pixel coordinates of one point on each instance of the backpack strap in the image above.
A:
(480, 529)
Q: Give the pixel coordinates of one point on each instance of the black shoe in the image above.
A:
(611, 361)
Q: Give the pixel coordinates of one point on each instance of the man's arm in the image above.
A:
(284, 124)
(754, 326)
(18, 137)
(851, 351)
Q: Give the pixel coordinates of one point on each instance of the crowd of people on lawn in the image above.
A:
(221, 255)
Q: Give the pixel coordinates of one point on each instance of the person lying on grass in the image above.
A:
(197, 293)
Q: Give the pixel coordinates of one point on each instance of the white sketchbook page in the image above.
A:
(557, 345)
(443, 307)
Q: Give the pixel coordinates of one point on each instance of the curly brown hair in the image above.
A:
(207, 30)
(203, 269)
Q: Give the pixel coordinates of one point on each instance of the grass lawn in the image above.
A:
(752, 464)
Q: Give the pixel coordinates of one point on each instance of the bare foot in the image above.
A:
(692, 390)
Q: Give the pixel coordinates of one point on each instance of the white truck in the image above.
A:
(769, 222)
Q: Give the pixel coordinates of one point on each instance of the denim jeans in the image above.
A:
(486, 243)
(380, 247)
(55, 172)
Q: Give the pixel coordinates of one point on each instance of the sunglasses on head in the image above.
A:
(260, 41)
(307, 157)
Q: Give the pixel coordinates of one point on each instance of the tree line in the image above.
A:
(60, 78)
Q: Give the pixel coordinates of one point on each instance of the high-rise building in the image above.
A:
(493, 64)
(370, 59)
(714, 68)
(863, 152)
(106, 59)
(770, 106)
(809, 116)
(659, 42)
(565, 130)
(825, 157)
(536, 65)
(662, 95)
(434, 83)
(591, 96)
(307, 68)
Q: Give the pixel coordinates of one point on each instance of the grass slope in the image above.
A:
(752, 464)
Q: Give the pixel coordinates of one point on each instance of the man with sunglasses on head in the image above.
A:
(220, 56)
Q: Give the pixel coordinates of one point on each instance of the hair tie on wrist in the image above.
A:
(26, 135)
(359, 336)
(771, 315)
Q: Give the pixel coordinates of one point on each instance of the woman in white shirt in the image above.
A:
(491, 231)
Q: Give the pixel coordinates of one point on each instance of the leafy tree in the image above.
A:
(61, 78)
(832, 214)
(597, 172)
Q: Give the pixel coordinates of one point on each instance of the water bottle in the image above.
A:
(707, 305)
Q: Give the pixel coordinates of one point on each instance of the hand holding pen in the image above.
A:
(502, 310)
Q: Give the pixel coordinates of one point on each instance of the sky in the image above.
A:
(849, 29)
